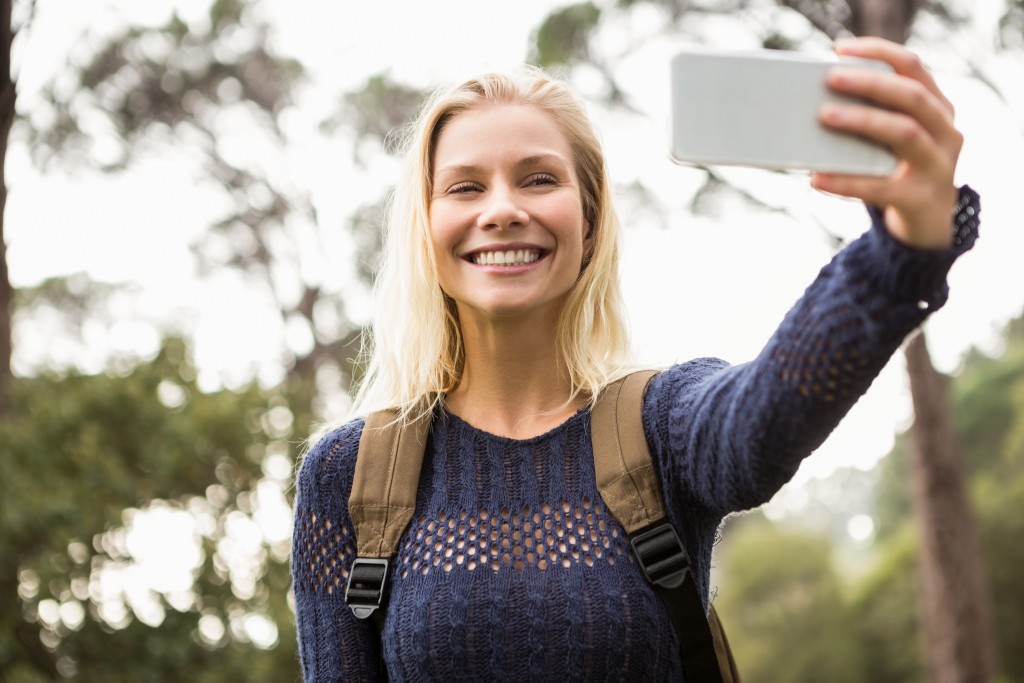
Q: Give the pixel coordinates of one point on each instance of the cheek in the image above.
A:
(443, 241)
(444, 229)
(568, 216)
(439, 238)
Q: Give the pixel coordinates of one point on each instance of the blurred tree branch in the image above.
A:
(7, 108)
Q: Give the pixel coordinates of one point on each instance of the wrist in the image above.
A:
(928, 228)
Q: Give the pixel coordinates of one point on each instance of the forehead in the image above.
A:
(497, 132)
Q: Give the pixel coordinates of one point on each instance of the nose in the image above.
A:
(502, 208)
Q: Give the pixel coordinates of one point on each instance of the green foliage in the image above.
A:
(783, 607)
(149, 78)
(84, 456)
(380, 108)
(884, 615)
(76, 299)
(989, 399)
(999, 503)
(893, 505)
(563, 38)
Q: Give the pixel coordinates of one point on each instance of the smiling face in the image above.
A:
(506, 218)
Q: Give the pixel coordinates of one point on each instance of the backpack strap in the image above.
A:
(726, 662)
(622, 462)
(382, 501)
(629, 486)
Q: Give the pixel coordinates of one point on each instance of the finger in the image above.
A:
(869, 189)
(903, 134)
(899, 93)
(903, 61)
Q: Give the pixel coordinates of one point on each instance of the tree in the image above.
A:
(83, 456)
(88, 464)
(988, 400)
(142, 439)
(987, 409)
(216, 89)
(955, 599)
(7, 105)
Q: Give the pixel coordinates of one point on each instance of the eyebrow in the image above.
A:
(469, 169)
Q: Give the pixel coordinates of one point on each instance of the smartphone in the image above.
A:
(761, 109)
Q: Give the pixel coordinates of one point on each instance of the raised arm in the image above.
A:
(728, 438)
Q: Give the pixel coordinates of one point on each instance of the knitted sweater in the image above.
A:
(513, 569)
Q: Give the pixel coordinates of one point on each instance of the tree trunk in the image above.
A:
(7, 96)
(955, 607)
(955, 603)
(889, 19)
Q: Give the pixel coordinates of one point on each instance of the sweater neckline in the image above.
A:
(463, 425)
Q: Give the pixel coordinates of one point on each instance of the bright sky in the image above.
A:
(695, 287)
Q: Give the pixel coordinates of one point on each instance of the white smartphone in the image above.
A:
(761, 109)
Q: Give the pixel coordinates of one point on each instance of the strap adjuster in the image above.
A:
(662, 555)
(366, 581)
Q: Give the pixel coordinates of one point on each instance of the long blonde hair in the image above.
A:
(415, 350)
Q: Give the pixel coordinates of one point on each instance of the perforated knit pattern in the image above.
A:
(512, 568)
(324, 553)
(553, 535)
(965, 219)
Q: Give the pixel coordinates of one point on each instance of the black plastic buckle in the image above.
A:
(662, 555)
(365, 590)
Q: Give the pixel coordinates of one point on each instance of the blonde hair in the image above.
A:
(415, 351)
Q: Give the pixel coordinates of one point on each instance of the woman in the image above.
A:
(499, 314)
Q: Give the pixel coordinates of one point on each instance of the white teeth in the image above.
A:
(506, 258)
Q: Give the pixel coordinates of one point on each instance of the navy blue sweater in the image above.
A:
(514, 570)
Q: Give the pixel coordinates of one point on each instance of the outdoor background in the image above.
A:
(195, 190)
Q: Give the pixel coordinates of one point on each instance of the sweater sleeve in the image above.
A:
(727, 438)
(333, 644)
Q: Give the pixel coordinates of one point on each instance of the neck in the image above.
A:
(514, 383)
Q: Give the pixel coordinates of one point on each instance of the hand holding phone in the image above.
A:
(913, 118)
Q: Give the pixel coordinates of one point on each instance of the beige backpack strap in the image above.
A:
(386, 478)
(622, 462)
(382, 501)
(630, 488)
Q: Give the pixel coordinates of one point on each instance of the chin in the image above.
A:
(506, 310)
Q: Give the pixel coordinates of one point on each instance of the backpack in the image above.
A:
(383, 500)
